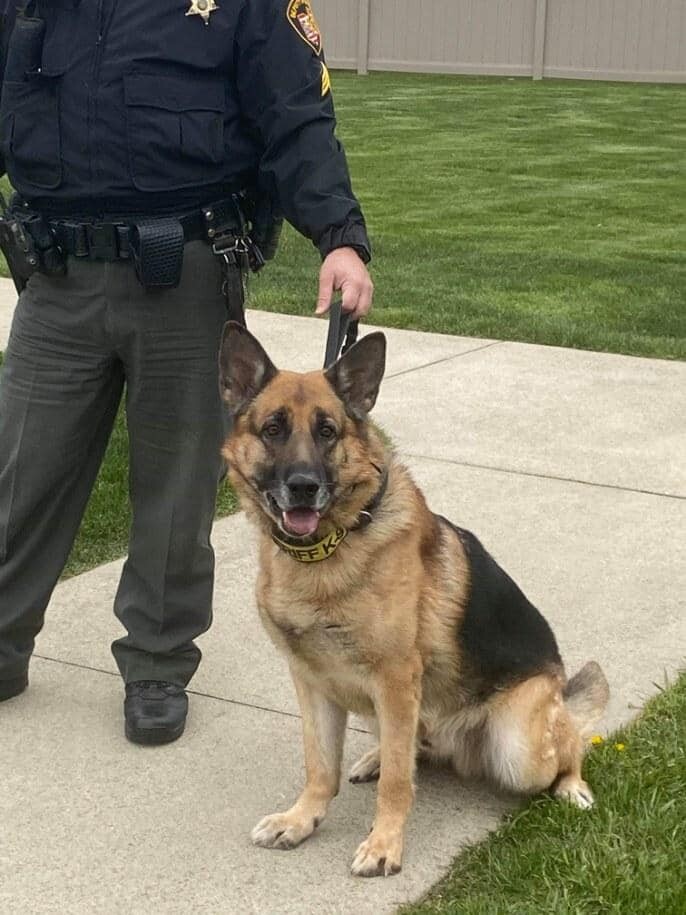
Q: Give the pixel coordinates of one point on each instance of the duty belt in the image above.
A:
(156, 245)
(120, 239)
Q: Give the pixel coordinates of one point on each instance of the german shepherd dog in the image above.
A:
(385, 609)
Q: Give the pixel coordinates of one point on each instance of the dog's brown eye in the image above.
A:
(271, 430)
(327, 431)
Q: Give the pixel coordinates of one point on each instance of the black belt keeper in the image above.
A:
(157, 248)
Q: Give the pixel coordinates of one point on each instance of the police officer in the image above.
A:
(147, 138)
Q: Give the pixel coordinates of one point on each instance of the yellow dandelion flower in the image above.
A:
(596, 740)
(620, 747)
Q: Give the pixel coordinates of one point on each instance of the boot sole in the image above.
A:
(11, 688)
(153, 737)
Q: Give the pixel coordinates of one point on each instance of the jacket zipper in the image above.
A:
(93, 95)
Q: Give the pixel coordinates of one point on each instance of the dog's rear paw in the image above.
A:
(367, 768)
(575, 790)
(282, 830)
(378, 856)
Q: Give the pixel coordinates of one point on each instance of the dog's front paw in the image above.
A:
(283, 830)
(367, 768)
(380, 855)
(575, 790)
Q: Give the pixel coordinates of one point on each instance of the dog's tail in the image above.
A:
(586, 696)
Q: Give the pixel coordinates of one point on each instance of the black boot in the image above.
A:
(155, 711)
(11, 688)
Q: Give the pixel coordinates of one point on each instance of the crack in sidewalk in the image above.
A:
(541, 476)
(427, 365)
(192, 692)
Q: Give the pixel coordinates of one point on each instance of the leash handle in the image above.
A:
(342, 333)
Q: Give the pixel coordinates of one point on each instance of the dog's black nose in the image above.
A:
(303, 488)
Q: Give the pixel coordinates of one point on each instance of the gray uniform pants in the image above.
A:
(75, 342)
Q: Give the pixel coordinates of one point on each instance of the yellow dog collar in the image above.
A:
(313, 552)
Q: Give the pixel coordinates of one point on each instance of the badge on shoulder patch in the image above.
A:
(299, 14)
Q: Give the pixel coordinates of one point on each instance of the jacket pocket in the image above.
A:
(30, 132)
(175, 131)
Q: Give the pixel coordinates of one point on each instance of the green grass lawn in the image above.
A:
(550, 211)
(626, 855)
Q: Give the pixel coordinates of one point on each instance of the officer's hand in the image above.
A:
(343, 269)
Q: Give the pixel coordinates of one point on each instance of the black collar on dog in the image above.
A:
(366, 516)
(322, 549)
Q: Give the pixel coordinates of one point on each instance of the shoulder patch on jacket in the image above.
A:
(299, 14)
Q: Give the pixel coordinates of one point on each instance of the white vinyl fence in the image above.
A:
(583, 39)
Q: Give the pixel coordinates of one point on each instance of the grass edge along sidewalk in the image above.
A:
(627, 854)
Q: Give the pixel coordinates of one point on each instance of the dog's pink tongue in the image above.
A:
(301, 521)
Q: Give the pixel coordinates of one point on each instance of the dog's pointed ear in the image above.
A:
(357, 375)
(244, 367)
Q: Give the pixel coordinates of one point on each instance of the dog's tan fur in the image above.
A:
(372, 630)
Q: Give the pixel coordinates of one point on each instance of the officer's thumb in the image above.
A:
(326, 281)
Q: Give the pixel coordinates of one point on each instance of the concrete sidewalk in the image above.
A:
(570, 466)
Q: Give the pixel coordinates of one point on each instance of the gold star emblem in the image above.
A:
(202, 8)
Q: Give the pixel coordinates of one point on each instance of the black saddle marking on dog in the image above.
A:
(503, 638)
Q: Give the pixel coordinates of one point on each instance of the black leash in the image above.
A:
(342, 333)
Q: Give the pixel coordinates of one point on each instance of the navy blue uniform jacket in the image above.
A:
(134, 106)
